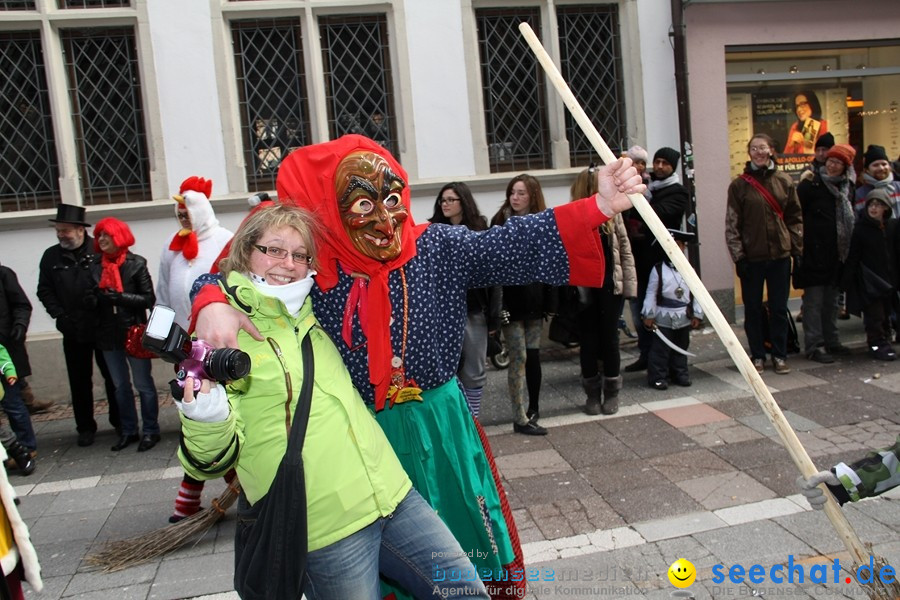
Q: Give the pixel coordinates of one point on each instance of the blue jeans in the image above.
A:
(411, 547)
(118, 362)
(17, 413)
(776, 275)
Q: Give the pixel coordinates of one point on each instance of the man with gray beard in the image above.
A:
(67, 291)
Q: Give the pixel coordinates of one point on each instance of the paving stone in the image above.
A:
(621, 475)
(648, 446)
(756, 511)
(568, 484)
(814, 529)
(193, 576)
(515, 443)
(780, 477)
(588, 444)
(752, 453)
(529, 464)
(69, 527)
(654, 502)
(765, 541)
(600, 514)
(73, 501)
(763, 425)
(554, 527)
(697, 414)
(738, 407)
(94, 581)
(720, 433)
(690, 464)
(679, 526)
(730, 489)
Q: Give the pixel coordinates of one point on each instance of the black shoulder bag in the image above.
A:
(270, 540)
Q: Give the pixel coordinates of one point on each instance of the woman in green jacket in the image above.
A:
(363, 516)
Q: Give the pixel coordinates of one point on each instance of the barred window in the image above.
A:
(515, 106)
(268, 58)
(591, 63)
(29, 173)
(16, 4)
(104, 86)
(357, 74)
(93, 3)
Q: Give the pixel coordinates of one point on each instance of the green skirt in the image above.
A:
(439, 447)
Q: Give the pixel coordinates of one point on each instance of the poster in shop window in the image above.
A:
(796, 118)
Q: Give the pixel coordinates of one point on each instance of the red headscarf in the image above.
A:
(306, 178)
(121, 235)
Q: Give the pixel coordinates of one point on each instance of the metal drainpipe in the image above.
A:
(684, 126)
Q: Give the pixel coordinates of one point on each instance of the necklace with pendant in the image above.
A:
(402, 389)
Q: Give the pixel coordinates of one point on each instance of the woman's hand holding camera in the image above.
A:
(210, 405)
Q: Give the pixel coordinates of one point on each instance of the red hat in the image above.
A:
(843, 152)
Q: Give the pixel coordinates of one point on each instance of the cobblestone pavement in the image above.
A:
(603, 504)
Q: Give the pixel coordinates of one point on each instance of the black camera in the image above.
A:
(192, 357)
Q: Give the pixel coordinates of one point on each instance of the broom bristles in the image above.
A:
(122, 554)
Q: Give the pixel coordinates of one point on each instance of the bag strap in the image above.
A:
(765, 194)
(301, 414)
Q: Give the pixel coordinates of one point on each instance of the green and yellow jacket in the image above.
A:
(876, 473)
(353, 476)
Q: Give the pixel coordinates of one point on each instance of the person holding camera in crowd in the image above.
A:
(123, 293)
(362, 513)
(66, 290)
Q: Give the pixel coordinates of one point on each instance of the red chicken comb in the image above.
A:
(196, 184)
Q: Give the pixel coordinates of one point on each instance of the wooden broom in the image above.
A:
(122, 554)
(860, 554)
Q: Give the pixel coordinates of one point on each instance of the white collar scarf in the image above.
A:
(292, 294)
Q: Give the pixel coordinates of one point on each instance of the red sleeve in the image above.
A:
(577, 223)
(208, 294)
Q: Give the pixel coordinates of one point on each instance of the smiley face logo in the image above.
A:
(682, 573)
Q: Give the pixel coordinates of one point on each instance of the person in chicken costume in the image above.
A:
(189, 254)
(18, 557)
(393, 296)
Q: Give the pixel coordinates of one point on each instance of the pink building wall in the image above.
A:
(712, 26)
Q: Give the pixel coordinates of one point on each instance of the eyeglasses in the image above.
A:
(280, 253)
(801, 103)
(183, 216)
(449, 200)
(759, 148)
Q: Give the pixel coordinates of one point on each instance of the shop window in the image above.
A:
(591, 63)
(29, 173)
(16, 4)
(94, 4)
(273, 104)
(107, 114)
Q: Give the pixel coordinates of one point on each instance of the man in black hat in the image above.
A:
(670, 201)
(66, 290)
(823, 145)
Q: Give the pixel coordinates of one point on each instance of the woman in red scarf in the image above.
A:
(124, 293)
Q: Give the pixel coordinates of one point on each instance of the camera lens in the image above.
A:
(226, 364)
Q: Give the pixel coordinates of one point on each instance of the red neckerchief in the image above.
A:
(186, 243)
(110, 278)
(306, 178)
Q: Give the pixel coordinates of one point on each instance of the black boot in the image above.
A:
(23, 459)
(533, 382)
(593, 389)
(611, 387)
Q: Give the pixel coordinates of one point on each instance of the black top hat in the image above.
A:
(681, 236)
(69, 213)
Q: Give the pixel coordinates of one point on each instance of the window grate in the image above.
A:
(515, 106)
(29, 173)
(64, 4)
(591, 63)
(357, 73)
(273, 103)
(105, 90)
(16, 4)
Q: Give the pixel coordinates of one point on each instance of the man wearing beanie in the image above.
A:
(823, 145)
(878, 174)
(670, 201)
(825, 199)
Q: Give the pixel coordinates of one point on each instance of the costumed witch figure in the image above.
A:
(393, 296)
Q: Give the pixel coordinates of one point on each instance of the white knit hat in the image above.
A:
(637, 153)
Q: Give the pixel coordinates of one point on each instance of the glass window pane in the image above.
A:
(93, 3)
(16, 4)
(515, 106)
(105, 90)
(29, 174)
(358, 86)
(268, 59)
(591, 63)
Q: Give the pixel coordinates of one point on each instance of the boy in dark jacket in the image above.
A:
(869, 278)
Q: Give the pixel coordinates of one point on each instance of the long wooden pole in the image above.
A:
(710, 309)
